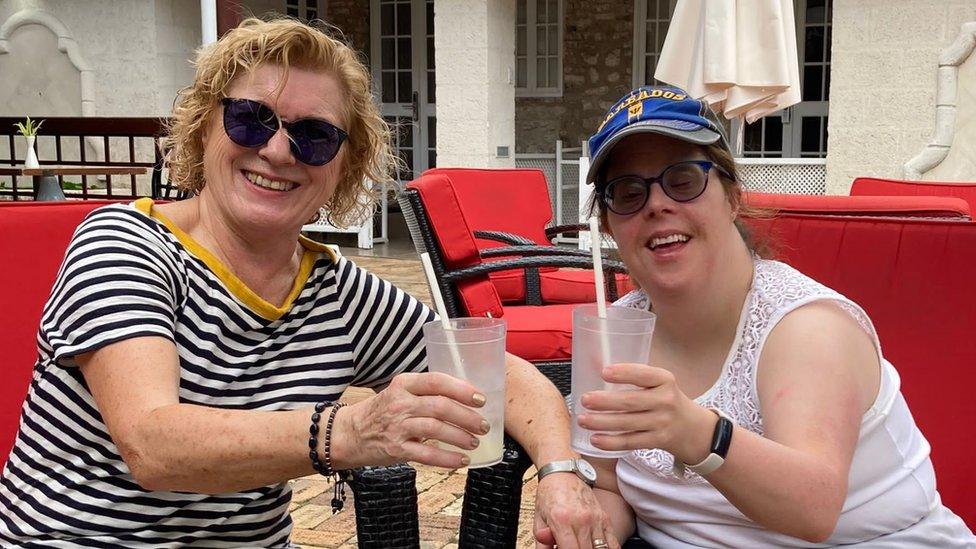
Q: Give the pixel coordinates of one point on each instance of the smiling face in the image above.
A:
(669, 245)
(266, 189)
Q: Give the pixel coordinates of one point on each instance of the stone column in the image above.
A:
(474, 54)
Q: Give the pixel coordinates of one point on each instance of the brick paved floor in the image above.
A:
(439, 491)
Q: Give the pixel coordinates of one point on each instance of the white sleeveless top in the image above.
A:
(891, 499)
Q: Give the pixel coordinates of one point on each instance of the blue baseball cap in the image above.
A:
(664, 110)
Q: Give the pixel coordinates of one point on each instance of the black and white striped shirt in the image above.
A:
(128, 273)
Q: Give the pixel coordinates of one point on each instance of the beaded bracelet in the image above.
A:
(326, 469)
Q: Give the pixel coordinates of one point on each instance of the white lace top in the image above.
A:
(891, 493)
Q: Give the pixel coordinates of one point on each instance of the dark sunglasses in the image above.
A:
(252, 124)
(681, 182)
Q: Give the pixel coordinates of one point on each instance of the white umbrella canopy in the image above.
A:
(739, 56)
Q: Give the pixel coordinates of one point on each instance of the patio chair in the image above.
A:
(33, 239)
(511, 207)
(873, 186)
(440, 224)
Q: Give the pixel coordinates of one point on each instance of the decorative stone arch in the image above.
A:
(66, 45)
(945, 105)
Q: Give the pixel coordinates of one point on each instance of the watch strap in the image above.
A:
(563, 466)
(721, 440)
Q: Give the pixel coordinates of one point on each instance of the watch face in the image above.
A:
(587, 470)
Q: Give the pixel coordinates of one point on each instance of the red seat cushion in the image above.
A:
(33, 239)
(873, 186)
(896, 206)
(576, 286)
(558, 286)
(540, 333)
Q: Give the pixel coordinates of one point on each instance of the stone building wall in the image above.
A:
(598, 37)
(885, 57)
(352, 16)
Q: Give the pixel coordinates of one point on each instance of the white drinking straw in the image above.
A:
(435, 294)
(601, 298)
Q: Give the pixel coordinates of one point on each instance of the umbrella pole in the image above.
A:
(736, 136)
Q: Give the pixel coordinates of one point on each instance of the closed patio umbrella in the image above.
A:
(739, 56)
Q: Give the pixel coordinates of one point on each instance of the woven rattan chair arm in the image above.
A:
(492, 498)
(386, 507)
(507, 238)
(534, 261)
(534, 250)
(552, 232)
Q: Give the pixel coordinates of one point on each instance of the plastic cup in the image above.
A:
(479, 345)
(623, 336)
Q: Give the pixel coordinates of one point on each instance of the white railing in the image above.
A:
(784, 175)
(561, 169)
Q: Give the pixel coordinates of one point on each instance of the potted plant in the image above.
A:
(28, 128)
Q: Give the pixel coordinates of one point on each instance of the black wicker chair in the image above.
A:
(386, 507)
(493, 495)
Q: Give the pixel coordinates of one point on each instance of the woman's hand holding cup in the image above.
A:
(392, 426)
(657, 415)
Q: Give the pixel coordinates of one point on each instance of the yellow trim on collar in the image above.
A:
(236, 286)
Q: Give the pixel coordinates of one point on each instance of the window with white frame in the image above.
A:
(538, 48)
(651, 20)
(306, 10)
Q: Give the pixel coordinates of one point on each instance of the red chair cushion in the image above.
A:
(897, 206)
(915, 280)
(540, 333)
(478, 295)
(525, 210)
(576, 286)
(33, 239)
(558, 286)
(872, 186)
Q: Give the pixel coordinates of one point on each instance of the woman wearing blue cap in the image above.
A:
(768, 416)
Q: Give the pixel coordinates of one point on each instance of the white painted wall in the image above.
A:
(137, 50)
(474, 52)
(42, 79)
(177, 30)
(883, 82)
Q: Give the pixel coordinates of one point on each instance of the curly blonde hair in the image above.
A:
(287, 43)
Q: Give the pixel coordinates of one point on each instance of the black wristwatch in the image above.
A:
(579, 466)
(721, 440)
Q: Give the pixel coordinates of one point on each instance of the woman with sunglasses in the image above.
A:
(766, 417)
(192, 353)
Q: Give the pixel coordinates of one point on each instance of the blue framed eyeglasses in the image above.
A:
(681, 182)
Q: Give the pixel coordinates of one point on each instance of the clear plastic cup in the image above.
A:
(474, 350)
(624, 336)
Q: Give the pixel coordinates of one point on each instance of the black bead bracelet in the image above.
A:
(326, 469)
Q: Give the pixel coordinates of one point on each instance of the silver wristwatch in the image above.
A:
(579, 466)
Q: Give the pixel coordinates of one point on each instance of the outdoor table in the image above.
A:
(46, 186)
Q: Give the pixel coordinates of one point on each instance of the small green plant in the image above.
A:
(28, 127)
